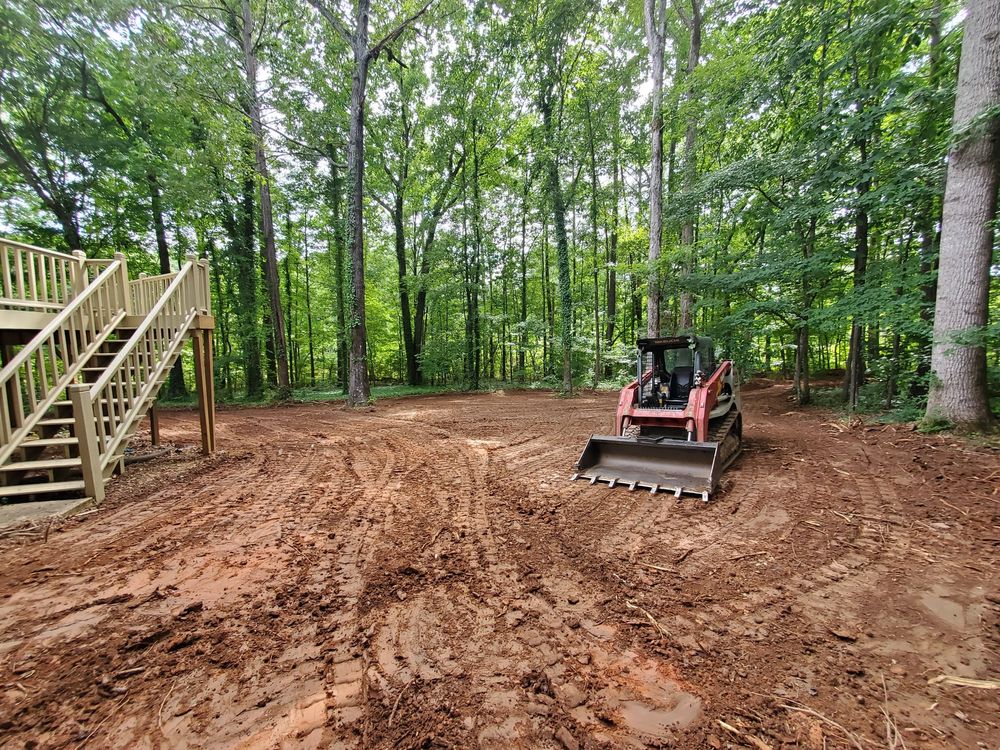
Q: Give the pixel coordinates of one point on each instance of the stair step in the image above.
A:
(58, 422)
(103, 401)
(46, 442)
(41, 465)
(41, 488)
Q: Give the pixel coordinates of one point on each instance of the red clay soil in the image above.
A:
(423, 574)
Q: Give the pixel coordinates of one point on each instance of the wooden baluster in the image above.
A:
(43, 374)
(19, 272)
(17, 404)
(8, 289)
(53, 281)
(29, 259)
(30, 386)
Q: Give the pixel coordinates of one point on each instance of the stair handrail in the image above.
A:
(143, 360)
(38, 279)
(76, 330)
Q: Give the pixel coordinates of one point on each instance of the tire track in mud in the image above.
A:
(444, 573)
(651, 523)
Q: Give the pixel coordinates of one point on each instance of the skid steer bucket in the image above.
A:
(659, 464)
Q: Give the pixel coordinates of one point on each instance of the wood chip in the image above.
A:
(844, 636)
(964, 682)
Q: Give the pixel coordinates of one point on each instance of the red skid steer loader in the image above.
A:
(678, 425)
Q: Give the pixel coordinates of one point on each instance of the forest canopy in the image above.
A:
(504, 151)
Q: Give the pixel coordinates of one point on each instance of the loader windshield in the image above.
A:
(699, 353)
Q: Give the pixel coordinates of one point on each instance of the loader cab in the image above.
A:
(673, 364)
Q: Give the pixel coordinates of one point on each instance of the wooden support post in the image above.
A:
(86, 435)
(123, 284)
(206, 396)
(154, 425)
(210, 386)
(78, 273)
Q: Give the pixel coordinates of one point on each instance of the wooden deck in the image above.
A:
(85, 350)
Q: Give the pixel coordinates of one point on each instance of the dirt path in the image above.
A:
(422, 574)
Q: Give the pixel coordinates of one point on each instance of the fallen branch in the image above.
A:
(129, 460)
(159, 714)
(652, 620)
(893, 737)
(396, 704)
(129, 672)
(439, 532)
(853, 738)
(953, 507)
(755, 741)
(103, 721)
(964, 682)
(748, 554)
(655, 567)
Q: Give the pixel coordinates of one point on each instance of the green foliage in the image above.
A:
(465, 119)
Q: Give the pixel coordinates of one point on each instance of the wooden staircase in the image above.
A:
(85, 352)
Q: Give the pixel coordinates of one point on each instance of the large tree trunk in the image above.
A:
(690, 172)
(655, 13)
(359, 387)
(958, 370)
(266, 211)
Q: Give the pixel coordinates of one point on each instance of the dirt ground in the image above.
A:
(423, 574)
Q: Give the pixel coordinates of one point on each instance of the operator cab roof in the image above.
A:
(687, 341)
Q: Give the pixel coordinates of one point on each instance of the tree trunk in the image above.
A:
(611, 292)
(471, 373)
(523, 338)
(309, 319)
(593, 244)
(690, 172)
(558, 203)
(477, 256)
(266, 211)
(958, 368)
(405, 314)
(655, 14)
(855, 357)
(359, 387)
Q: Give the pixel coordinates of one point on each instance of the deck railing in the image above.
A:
(37, 375)
(35, 279)
(147, 290)
(107, 410)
